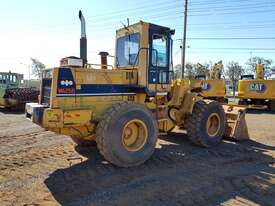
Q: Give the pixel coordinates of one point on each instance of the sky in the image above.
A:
(228, 30)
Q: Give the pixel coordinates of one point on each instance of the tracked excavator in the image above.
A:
(257, 92)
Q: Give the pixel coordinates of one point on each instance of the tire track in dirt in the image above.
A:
(34, 171)
(160, 167)
(22, 143)
(32, 157)
(163, 171)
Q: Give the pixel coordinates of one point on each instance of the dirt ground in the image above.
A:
(38, 167)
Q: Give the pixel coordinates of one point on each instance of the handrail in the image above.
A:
(89, 66)
(147, 49)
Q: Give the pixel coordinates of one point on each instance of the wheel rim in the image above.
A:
(213, 125)
(134, 135)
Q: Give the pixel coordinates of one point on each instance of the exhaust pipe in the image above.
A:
(83, 39)
(104, 61)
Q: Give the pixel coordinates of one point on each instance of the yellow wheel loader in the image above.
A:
(214, 87)
(126, 106)
(257, 92)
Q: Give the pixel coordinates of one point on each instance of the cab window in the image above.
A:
(160, 50)
(4, 79)
(127, 50)
(14, 79)
(247, 77)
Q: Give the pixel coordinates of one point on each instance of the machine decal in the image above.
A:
(65, 83)
(206, 86)
(67, 87)
(96, 94)
(257, 87)
(98, 90)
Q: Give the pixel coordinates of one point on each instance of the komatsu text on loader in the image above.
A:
(124, 107)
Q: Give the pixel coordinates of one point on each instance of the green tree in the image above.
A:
(269, 69)
(189, 71)
(234, 72)
(37, 67)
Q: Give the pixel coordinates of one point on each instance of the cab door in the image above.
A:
(159, 74)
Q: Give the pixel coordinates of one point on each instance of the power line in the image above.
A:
(159, 16)
(122, 14)
(230, 23)
(194, 3)
(142, 8)
(230, 13)
(231, 38)
(233, 7)
(100, 21)
(229, 28)
(230, 52)
(236, 48)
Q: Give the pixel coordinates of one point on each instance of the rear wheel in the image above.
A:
(206, 125)
(127, 134)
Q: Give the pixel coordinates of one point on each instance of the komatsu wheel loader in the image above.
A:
(257, 92)
(124, 107)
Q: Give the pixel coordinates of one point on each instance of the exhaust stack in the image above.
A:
(83, 39)
(104, 61)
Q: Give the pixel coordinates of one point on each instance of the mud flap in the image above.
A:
(236, 127)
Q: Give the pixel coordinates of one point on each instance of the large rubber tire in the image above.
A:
(196, 123)
(109, 134)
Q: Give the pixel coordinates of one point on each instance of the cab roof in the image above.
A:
(151, 26)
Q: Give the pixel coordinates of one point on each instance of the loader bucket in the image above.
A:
(236, 127)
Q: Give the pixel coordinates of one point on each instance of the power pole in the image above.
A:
(184, 39)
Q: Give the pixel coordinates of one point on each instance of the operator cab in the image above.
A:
(247, 77)
(8, 79)
(200, 77)
(147, 48)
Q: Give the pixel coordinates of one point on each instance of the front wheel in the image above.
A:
(127, 134)
(206, 125)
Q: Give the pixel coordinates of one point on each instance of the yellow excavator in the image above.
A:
(124, 107)
(213, 87)
(257, 92)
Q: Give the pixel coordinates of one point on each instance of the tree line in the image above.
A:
(232, 71)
